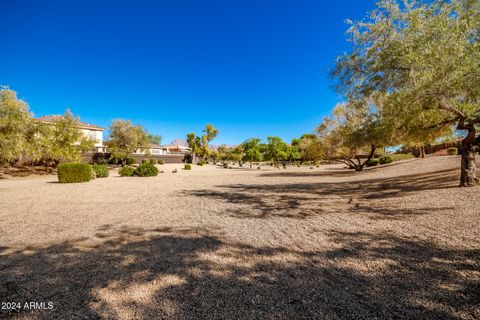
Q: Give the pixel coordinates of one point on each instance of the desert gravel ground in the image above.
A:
(394, 242)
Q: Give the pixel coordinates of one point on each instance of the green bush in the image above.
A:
(385, 160)
(101, 170)
(145, 161)
(130, 161)
(146, 170)
(126, 171)
(225, 165)
(452, 151)
(200, 163)
(372, 163)
(153, 161)
(187, 166)
(161, 161)
(75, 172)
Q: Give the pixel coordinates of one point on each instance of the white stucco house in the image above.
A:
(89, 130)
(155, 149)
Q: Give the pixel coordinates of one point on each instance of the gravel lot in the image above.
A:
(393, 242)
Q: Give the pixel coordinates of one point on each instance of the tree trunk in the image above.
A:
(361, 165)
(468, 173)
(422, 151)
(468, 176)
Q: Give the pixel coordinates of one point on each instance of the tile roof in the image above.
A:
(55, 118)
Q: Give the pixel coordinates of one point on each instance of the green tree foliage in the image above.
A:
(425, 58)
(59, 141)
(125, 138)
(276, 149)
(236, 155)
(15, 125)
(309, 147)
(194, 143)
(199, 145)
(214, 155)
(155, 138)
(354, 132)
(251, 151)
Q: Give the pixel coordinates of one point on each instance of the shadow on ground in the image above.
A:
(188, 274)
(24, 171)
(310, 198)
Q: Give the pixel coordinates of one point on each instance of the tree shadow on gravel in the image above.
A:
(374, 197)
(188, 274)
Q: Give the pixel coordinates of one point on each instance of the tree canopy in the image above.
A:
(15, 122)
(125, 138)
(423, 59)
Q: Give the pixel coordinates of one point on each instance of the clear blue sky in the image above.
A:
(250, 67)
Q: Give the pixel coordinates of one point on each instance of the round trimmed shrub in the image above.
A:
(146, 170)
(372, 163)
(452, 151)
(153, 161)
(161, 161)
(126, 171)
(75, 172)
(187, 166)
(130, 161)
(145, 161)
(101, 170)
(385, 160)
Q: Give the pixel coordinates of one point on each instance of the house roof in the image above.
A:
(81, 124)
(176, 146)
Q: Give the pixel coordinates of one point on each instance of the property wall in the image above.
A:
(167, 158)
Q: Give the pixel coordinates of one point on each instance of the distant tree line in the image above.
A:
(275, 150)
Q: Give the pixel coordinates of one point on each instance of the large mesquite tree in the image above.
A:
(426, 57)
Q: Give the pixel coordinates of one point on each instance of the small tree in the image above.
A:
(275, 150)
(58, 141)
(215, 156)
(236, 155)
(194, 144)
(309, 146)
(125, 138)
(199, 145)
(251, 151)
(355, 131)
